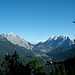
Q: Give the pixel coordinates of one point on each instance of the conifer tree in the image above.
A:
(63, 70)
(11, 65)
(57, 71)
(34, 66)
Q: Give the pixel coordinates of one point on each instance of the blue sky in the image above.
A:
(37, 19)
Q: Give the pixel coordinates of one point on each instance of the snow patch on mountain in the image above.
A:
(59, 37)
(56, 41)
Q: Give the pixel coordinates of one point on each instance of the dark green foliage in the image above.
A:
(59, 71)
(13, 66)
(34, 66)
(70, 65)
(65, 68)
(0, 72)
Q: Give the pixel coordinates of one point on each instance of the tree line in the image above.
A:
(13, 66)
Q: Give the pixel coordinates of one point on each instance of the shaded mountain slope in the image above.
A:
(62, 53)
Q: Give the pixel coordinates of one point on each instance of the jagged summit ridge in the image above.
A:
(11, 34)
(61, 36)
(58, 40)
(17, 40)
(50, 44)
(55, 42)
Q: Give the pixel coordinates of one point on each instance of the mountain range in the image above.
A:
(56, 47)
(54, 42)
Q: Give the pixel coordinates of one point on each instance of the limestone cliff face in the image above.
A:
(17, 40)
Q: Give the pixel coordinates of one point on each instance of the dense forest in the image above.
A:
(13, 66)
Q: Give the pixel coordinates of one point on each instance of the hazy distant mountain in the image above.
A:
(54, 42)
(17, 40)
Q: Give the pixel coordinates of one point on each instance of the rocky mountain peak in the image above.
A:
(56, 42)
(59, 37)
(17, 40)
